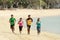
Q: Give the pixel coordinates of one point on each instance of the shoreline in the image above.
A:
(5, 28)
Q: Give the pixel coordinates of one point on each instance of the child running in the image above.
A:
(38, 25)
(29, 21)
(12, 23)
(20, 22)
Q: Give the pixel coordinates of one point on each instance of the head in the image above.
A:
(11, 15)
(29, 16)
(38, 19)
(20, 19)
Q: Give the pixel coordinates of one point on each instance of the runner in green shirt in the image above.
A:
(12, 23)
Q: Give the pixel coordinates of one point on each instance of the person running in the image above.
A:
(12, 23)
(20, 22)
(38, 25)
(29, 21)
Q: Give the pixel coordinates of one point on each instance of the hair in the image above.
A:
(11, 14)
(29, 15)
(20, 19)
(38, 19)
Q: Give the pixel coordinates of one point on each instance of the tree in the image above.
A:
(10, 3)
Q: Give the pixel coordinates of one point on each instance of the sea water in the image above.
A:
(48, 24)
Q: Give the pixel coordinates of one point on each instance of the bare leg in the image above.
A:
(38, 32)
(13, 30)
(28, 31)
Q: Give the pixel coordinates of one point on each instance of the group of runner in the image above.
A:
(29, 21)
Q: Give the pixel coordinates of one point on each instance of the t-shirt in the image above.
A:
(12, 21)
(38, 24)
(20, 23)
(29, 21)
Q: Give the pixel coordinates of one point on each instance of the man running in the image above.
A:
(12, 23)
(29, 21)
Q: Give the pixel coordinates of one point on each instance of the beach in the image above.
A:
(6, 34)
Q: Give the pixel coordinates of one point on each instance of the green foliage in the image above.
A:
(11, 1)
(24, 3)
(42, 2)
(1, 1)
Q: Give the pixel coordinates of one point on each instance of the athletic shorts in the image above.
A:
(28, 26)
(20, 28)
(12, 26)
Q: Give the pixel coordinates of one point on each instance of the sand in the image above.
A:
(6, 34)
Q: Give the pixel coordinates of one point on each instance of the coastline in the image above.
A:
(6, 32)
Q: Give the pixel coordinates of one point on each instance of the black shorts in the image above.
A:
(20, 28)
(28, 26)
(12, 26)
